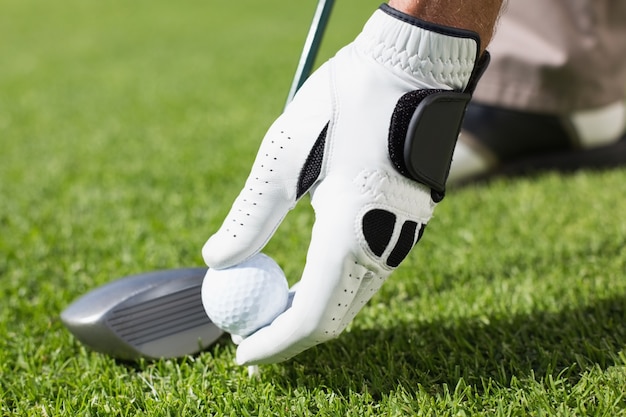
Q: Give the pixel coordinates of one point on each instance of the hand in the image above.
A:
(335, 141)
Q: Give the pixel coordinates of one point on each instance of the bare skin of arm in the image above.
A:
(479, 16)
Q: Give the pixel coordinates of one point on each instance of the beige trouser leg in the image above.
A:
(557, 56)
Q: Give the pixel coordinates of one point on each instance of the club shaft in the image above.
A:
(311, 46)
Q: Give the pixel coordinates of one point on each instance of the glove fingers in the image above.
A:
(252, 220)
(331, 280)
(315, 316)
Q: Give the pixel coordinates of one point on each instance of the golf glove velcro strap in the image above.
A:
(332, 142)
(423, 132)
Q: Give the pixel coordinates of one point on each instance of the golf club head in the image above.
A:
(152, 315)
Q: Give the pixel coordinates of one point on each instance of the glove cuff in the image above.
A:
(436, 56)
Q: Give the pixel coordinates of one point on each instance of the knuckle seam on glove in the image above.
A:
(405, 195)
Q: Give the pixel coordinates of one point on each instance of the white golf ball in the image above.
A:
(245, 297)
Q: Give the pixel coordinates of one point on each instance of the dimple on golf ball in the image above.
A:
(245, 297)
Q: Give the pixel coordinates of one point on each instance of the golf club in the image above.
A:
(311, 46)
(160, 314)
(153, 315)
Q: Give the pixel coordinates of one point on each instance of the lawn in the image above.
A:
(127, 129)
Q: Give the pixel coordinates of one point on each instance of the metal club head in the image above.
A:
(152, 315)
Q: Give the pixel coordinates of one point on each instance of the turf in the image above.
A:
(127, 129)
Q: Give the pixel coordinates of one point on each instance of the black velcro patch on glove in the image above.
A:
(404, 244)
(424, 128)
(312, 168)
(378, 228)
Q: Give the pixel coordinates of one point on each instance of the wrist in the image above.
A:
(436, 56)
(479, 16)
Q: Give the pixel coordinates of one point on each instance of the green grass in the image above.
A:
(127, 129)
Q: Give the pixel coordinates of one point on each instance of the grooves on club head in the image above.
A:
(152, 315)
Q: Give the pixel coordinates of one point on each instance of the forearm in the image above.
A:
(479, 16)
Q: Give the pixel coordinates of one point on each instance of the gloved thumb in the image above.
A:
(280, 175)
(258, 210)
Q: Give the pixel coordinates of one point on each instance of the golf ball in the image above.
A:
(245, 297)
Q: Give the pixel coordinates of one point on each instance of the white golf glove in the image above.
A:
(342, 140)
